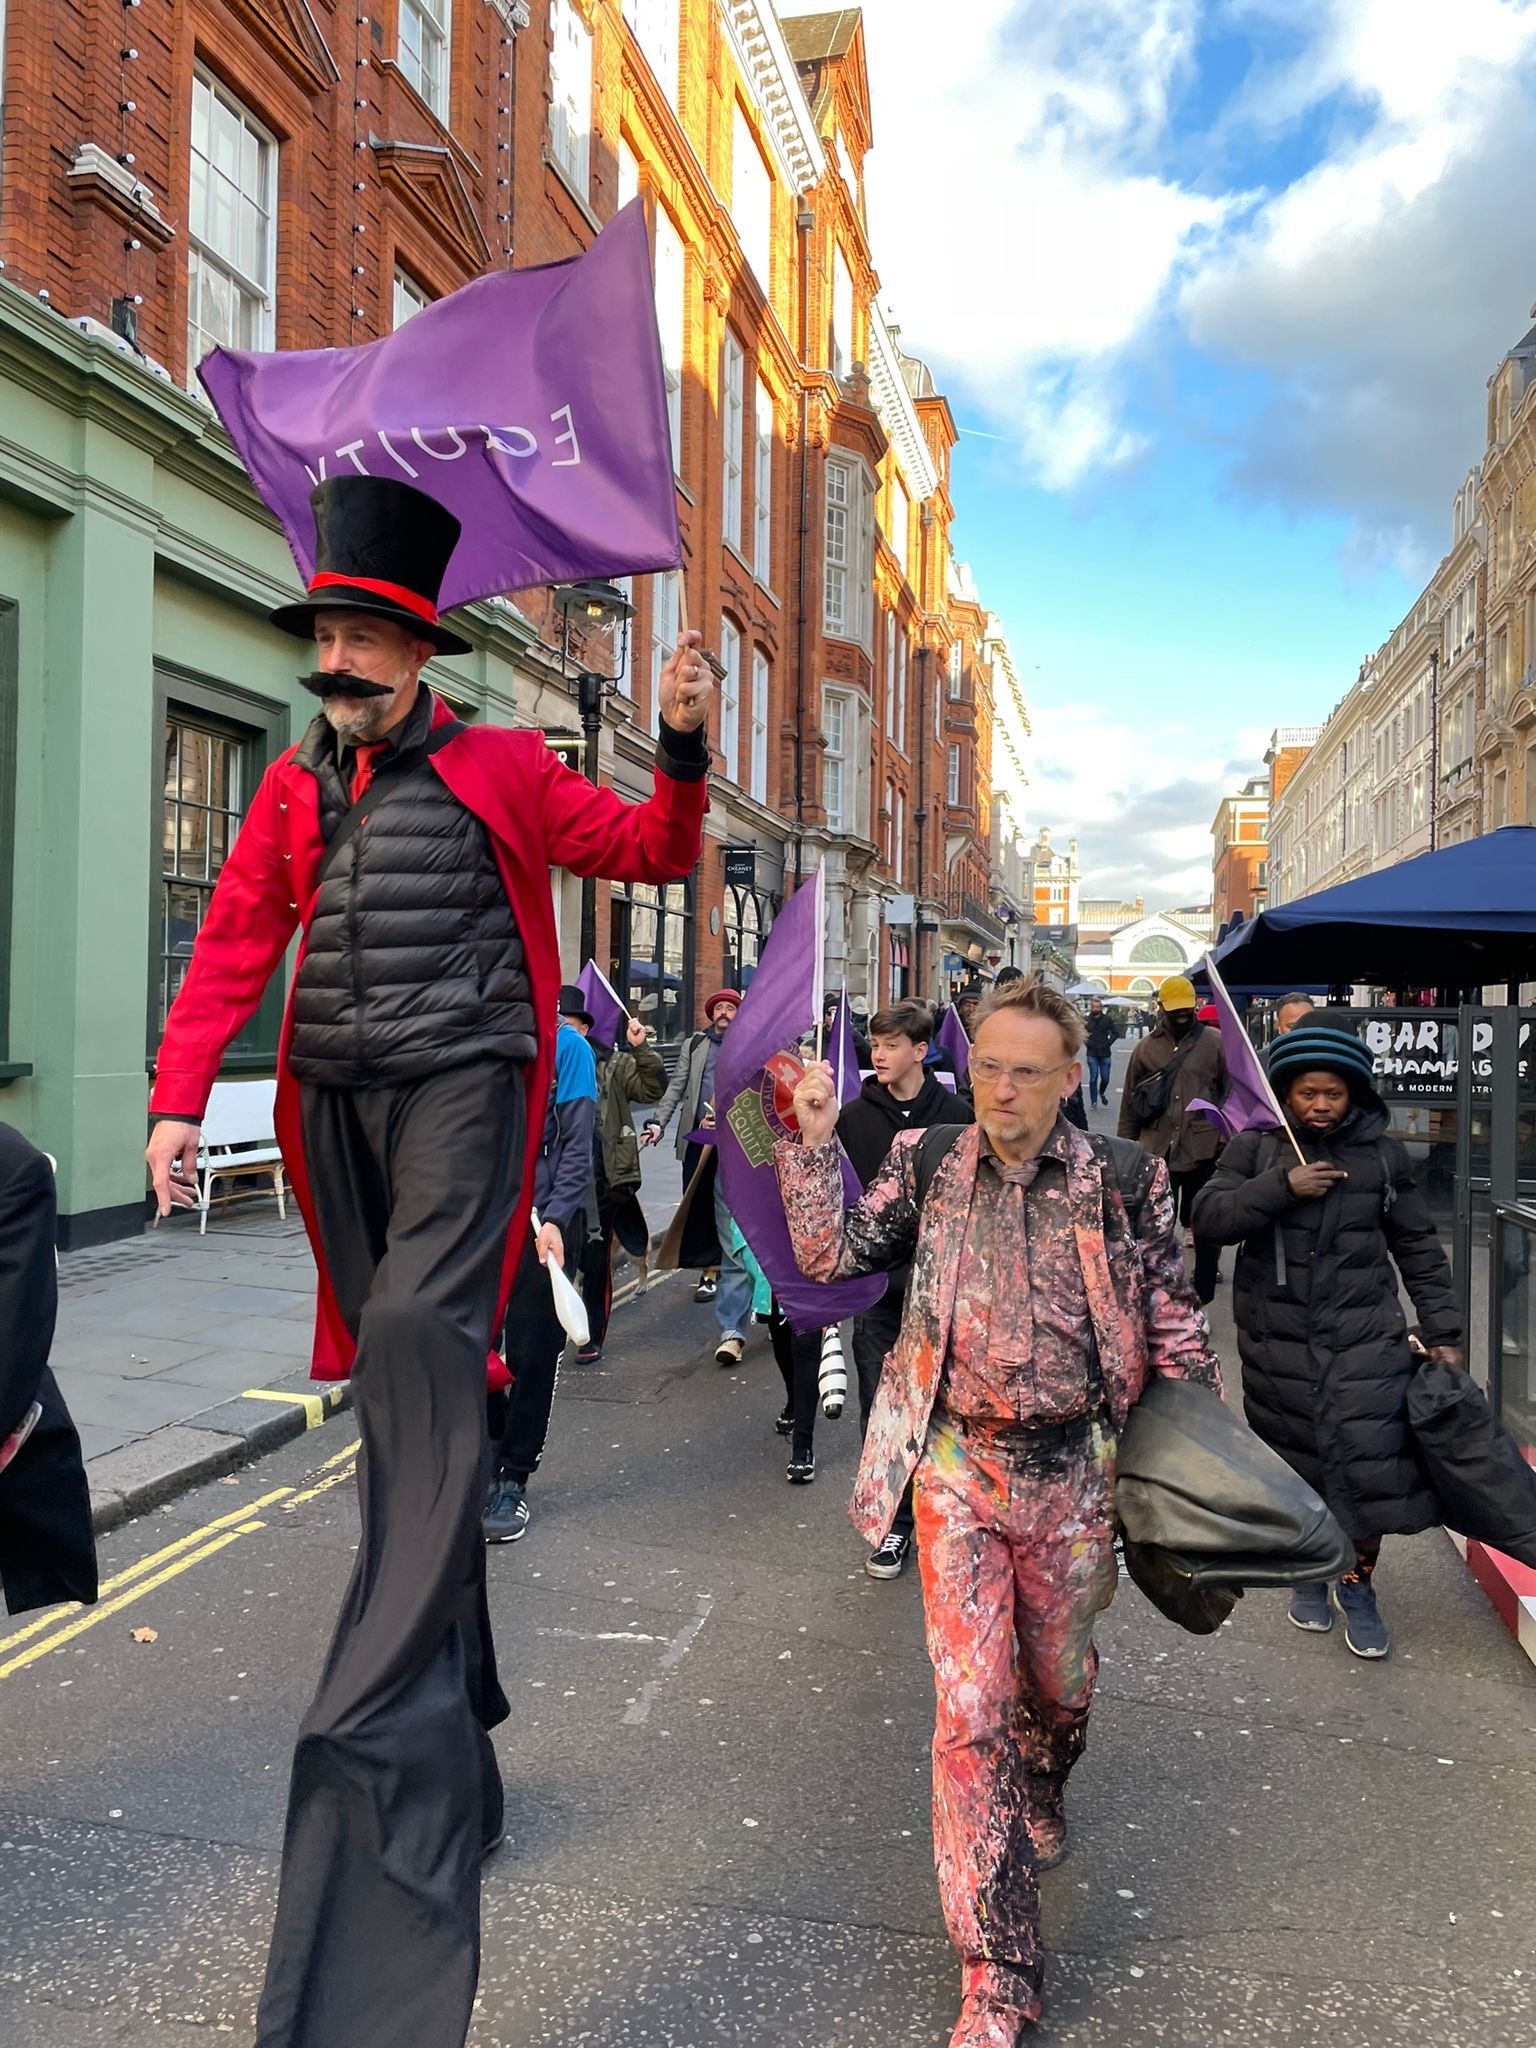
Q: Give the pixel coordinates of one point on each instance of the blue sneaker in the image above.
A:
(1364, 1630)
(1309, 1608)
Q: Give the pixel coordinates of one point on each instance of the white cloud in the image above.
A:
(1037, 246)
(1036, 186)
(1139, 798)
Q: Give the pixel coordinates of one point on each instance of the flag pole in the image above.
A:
(1223, 996)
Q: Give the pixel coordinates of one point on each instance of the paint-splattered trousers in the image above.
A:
(1016, 1544)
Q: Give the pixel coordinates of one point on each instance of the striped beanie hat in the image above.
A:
(1315, 1047)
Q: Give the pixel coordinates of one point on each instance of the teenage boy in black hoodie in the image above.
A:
(903, 1096)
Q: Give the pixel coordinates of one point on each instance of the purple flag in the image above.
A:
(951, 1038)
(759, 1065)
(609, 1016)
(531, 403)
(1250, 1103)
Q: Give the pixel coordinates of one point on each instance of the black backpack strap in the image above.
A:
(1123, 1161)
(930, 1152)
(435, 741)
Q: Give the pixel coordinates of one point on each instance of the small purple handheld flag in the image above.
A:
(1250, 1103)
(609, 1016)
(531, 403)
(755, 1076)
(951, 1038)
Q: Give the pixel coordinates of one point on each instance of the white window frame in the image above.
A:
(848, 542)
(751, 200)
(890, 674)
(845, 716)
(733, 376)
(762, 484)
(410, 298)
(428, 66)
(730, 698)
(952, 786)
(654, 24)
(901, 512)
(665, 627)
(570, 94)
(758, 783)
(901, 690)
(956, 670)
(836, 719)
(840, 339)
(253, 285)
(899, 838)
(629, 174)
(672, 321)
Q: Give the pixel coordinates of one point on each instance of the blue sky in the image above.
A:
(1213, 287)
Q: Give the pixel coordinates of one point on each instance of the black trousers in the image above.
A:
(797, 1354)
(394, 1785)
(597, 1265)
(533, 1347)
(874, 1333)
(1186, 1185)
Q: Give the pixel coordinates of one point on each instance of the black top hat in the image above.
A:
(380, 547)
(573, 1003)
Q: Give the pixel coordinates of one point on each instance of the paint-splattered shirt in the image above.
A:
(1021, 1346)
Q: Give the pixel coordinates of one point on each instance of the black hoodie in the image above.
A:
(870, 1124)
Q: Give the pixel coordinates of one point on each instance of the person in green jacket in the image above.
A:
(624, 1076)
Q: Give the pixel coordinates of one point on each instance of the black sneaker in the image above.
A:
(705, 1291)
(784, 1422)
(589, 1354)
(889, 1560)
(801, 1469)
(505, 1519)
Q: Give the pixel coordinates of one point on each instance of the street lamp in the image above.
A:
(600, 614)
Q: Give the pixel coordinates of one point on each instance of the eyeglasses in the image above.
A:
(987, 1073)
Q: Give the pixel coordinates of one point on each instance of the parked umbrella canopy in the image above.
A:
(1460, 917)
(1085, 988)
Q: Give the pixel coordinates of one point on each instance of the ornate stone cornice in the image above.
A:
(96, 178)
(765, 63)
(288, 31)
(430, 182)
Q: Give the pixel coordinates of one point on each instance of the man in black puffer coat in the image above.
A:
(1321, 1330)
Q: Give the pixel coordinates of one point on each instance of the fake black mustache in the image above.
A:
(322, 685)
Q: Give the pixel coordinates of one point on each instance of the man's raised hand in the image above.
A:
(685, 685)
(816, 1104)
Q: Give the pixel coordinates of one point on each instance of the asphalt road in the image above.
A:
(718, 1776)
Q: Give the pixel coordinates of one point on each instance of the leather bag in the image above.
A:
(1206, 1509)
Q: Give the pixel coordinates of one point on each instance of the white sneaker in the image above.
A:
(728, 1351)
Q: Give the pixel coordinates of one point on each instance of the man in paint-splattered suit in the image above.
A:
(1047, 1285)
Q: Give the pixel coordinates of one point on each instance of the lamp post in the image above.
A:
(600, 614)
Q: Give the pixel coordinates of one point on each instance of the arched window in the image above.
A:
(1141, 987)
(651, 950)
(748, 921)
(1157, 950)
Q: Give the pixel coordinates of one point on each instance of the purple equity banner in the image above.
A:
(531, 403)
(1250, 1103)
(609, 1016)
(843, 1053)
(759, 1065)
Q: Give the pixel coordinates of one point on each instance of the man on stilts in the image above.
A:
(412, 854)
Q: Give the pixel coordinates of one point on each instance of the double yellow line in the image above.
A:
(61, 1625)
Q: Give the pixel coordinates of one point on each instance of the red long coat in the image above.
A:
(539, 815)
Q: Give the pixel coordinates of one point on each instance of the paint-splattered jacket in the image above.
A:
(1144, 1315)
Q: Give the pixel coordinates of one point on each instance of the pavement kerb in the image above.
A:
(170, 1461)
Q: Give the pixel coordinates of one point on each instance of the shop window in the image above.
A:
(216, 744)
(651, 955)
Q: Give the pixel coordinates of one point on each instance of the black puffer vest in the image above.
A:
(413, 960)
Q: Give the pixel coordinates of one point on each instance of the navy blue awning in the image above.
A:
(1459, 917)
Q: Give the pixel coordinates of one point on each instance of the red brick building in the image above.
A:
(1240, 835)
(308, 173)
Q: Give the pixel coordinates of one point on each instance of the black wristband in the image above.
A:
(682, 755)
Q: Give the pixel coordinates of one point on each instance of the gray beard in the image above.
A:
(363, 724)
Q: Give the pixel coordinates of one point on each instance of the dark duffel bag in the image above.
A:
(1206, 1509)
(1484, 1487)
